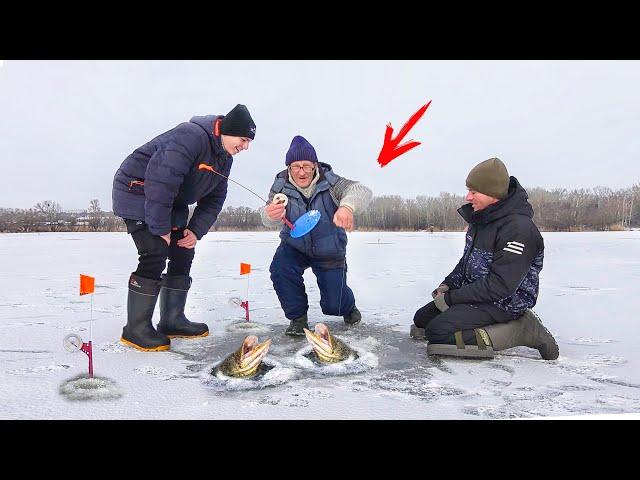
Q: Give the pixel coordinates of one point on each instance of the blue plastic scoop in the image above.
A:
(305, 223)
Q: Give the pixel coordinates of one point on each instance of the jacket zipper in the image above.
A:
(466, 260)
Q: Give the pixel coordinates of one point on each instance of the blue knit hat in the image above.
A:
(300, 149)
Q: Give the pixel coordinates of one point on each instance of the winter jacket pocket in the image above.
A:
(329, 246)
(324, 246)
(136, 186)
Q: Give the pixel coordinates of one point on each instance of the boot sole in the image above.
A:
(205, 334)
(470, 351)
(145, 349)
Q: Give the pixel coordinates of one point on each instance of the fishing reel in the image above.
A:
(280, 198)
(303, 224)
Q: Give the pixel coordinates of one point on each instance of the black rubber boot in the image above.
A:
(139, 332)
(354, 317)
(296, 326)
(526, 331)
(173, 297)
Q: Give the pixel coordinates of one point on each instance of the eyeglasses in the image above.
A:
(306, 168)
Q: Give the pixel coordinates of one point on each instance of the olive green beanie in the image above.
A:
(489, 177)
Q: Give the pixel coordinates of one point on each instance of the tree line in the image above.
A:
(558, 209)
(49, 216)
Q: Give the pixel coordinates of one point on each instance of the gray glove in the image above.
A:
(440, 302)
(441, 289)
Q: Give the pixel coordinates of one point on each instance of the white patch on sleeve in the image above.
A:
(514, 247)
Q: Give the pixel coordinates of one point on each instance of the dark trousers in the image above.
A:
(153, 252)
(288, 266)
(441, 326)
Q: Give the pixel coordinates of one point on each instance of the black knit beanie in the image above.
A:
(238, 123)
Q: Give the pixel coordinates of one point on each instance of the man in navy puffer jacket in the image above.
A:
(152, 191)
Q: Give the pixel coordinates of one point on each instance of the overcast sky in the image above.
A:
(66, 126)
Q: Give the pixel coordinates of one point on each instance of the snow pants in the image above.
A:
(288, 266)
(153, 252)
(441, 326)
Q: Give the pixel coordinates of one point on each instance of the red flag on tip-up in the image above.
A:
(87, 284)
(245, 268)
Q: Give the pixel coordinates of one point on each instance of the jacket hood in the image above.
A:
(206, 122)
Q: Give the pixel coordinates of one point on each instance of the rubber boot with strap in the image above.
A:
(482, 349)
(526, 331)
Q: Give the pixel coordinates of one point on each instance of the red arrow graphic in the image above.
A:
(390, 147)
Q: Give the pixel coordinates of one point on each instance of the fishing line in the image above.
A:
(203, 166)
(344, 274)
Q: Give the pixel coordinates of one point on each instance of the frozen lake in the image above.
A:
(589, 297)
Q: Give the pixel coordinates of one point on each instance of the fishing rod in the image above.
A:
(204, 166)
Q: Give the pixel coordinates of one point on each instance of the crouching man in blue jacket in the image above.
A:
(152, 191)
(484, 304)
(312, 185)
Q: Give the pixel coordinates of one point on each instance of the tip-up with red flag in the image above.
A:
(87, 284)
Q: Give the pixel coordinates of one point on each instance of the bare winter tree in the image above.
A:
(50, 211)
(634, 214)
(5, 219)
(238, 218)
(27, 220)
(95, 215)
(113, 223)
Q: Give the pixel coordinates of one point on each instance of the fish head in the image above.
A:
(250, 355)
(323, 344)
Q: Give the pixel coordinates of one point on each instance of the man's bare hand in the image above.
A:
(344, 218)
(275, 211)
(189, 240)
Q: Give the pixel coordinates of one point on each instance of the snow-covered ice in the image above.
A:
(589, 299)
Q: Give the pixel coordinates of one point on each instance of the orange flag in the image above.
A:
(245, 268)
(87, 284)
